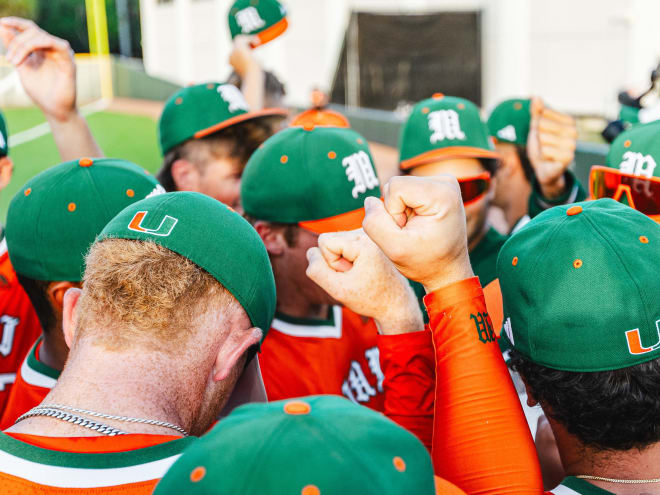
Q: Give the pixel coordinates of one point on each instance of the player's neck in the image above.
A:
(630, 464)
(303, 309)
(53, 350)
(122, 384)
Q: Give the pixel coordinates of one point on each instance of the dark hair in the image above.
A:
(490, 164)
(36, 290)
(524, 161)
(237, 141)
(273, 88)
(606, 410)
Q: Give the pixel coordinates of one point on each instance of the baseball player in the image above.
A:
(509, 125)
(51, 222)
(631, 173)
(37, 57)
(158, 341)
(445, 135)
(207, 134)
(583, 321)
(306, 181)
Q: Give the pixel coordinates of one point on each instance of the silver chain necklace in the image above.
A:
(614, 480)
(58, 411)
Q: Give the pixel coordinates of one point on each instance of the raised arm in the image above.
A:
(47, 71)
(481, 442)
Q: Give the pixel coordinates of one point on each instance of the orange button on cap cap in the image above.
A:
(297, 407)
(574, 210)
(85, 162)
(438, 96)
(308, 126)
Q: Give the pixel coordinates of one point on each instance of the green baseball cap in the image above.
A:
(509, 121)
(54, 218)
(264, 18)
(578, 289)
(637, 151)
(316, 177)
(212, 236)
(4, 136)
(198, 111)
(443, 127)
(319, 445)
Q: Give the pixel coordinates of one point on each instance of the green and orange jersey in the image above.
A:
(34, 381)
(576, 486)
(19, 325)
(345, 355)
(127, 464)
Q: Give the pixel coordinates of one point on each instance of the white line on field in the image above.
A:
(42, 129)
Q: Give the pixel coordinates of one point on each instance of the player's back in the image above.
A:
(128, 464)
(335, 356)
(19, 325)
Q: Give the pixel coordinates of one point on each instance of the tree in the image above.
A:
(19, 8)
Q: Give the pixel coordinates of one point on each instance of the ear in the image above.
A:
(232, 349)
(6, 170)
(186, 176)
(55, 293)
(272, 238)
(70, 314)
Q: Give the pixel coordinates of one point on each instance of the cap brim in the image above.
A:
(266, 112)
(249, 388)
(351, 220)
(269, 34)
(446, 153)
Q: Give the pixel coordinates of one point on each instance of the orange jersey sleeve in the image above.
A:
(19, 326)
(408, 363)
(481, 441)
(338, 357)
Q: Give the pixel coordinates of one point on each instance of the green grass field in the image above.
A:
(132, 137)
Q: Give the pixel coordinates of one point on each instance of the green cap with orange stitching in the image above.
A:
(443, 127)
(265, 19)
(637, 151)
(509, 121)
(198, 111)
(319, 445)
(54, 218)
(317, 177)
(578, 289)
(211, 235)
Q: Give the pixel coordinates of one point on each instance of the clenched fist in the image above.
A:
(351, 268)
(550, 147)
(420, 227)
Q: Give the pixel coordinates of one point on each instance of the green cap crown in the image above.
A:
(509, 121)
(198, 111)
(54, 218)
(637, 151)
(306, 174)
(252, 17)
(212, 236)
(4, 136)
(578, 289)
(443, 127)
(316, 445)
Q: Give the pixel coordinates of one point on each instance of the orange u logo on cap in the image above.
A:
(635, 345)
(164, 229)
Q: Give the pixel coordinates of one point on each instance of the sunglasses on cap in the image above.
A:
(641, 193)
(473, 188)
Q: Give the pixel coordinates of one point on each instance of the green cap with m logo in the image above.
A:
(212, 236)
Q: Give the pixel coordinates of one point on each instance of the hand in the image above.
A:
(421, 228)
(550, 147)
(241, 57)
(351, 268)
(44, 64)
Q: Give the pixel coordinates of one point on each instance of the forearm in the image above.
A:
(408, 364)
(481, 441)
(73, 137)
(252, 88)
